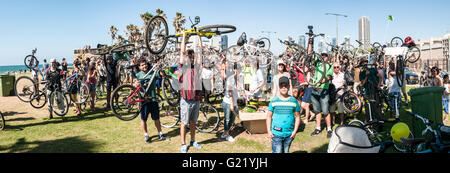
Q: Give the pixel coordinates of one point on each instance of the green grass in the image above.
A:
(102, 132)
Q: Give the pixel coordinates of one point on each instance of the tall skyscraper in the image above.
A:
(364, 31)
(224, 42)
(333, 41)
(302, 40)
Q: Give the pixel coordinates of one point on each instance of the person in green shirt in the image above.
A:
(150, 107)
(320, 95)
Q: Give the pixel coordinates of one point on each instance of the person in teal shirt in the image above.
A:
(149, 106)
(283, 118)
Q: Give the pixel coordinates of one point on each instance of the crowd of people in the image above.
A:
(289, 97)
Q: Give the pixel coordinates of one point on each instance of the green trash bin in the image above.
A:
(7, 85)
(427, 102)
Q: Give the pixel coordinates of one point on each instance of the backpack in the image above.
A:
(332, 93)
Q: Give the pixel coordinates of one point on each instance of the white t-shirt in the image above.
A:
(338, 82)
(447, 89)
(230, 85)
(207, 73)
(256, 80)
(35, 72)
(393, 85)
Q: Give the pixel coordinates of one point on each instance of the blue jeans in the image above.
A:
(320, 101)
(229, 116)
(281, 144)
(392, 97)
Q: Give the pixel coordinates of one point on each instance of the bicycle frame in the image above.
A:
(154, 69)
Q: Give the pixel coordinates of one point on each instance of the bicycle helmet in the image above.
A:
(400, 130)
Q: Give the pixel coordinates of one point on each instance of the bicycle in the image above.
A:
(157, 32)
(30, 60)
(349, 100)
(236, 53)
(313, 60)
(440, 142)
(77, 89)
(413, 53)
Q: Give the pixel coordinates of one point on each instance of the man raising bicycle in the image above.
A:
(190, 93)
(53, 77)
(150, 107)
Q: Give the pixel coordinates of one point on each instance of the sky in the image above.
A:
(58, 27)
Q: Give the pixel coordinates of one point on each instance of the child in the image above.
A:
(283, 118)
(445, 98)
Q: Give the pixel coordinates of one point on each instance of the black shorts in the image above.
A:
(150, 108)
(111, 85)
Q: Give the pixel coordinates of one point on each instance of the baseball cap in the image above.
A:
(52, 60)
(280, 61)
(283, 81)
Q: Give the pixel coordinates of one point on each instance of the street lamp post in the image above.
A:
(337, 29)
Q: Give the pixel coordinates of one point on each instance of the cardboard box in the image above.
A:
(254, 123)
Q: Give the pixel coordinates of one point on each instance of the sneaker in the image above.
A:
(196, 145)
(230, 139)
(315, 133)
(163, 137)
(147, 139)
(329, 134)
(223, 136)
(183, 148)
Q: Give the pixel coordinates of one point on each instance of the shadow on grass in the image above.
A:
(321, 149)
(66, 145)
(12, 113)
(94, 115)
(22, 119)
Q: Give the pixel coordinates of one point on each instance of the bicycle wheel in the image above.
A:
(170, 92)
(156, 35)
(396, 42)
(235, 53)
(399, 146)
(265, 58)
(169, 116)
(400, 71)
(30, 61)
(208, 118)
(59, 103)
(125, 102)
(376, 45)
(2, 121)
(413, 54)
(24, 88)
(217, 29)
(310, 63)
(263, 43)
(122, 48)
(82, 93)
(39, 99)
(351, 102)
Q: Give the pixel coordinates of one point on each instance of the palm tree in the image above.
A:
(113, 32)
(159, 12)
(178, 22)
(133, 33)
(146, 17)
(120, 39)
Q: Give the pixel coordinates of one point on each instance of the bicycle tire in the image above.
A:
(57, 95)
(162, 38)
(207, 29)
(396, 42)
(352, 106)
(413, 54)
(170, 94)
(357, 123)
(28, 59)
(266, 57)
(121, 49)
(311, 63)
(126, 107)
(376, 45)
(399, 146)
(82, 93)
(266, 45)
(234, 54)
(208, 118)
(169, 116)
(399, 71)
(38, 98)
(24, 94)
(2, 121)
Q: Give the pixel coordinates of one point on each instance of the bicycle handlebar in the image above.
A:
(427, 122)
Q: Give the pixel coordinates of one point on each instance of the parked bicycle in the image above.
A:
(440, 142)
